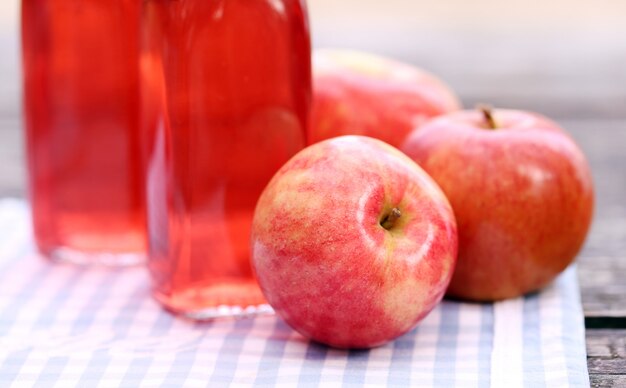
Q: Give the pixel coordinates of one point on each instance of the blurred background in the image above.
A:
(11, 164)
(518, 53)
(563, 58)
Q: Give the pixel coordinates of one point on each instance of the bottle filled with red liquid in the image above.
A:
(81, 108)
(226, 90)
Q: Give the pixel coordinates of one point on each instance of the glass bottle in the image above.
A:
(81, 104)
(226, 91)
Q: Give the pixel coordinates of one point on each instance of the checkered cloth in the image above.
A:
(64, 326)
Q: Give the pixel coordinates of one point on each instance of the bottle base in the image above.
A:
(110, 259)
(222, 300)
(211, 313)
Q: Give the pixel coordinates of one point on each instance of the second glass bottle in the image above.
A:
(226, 93)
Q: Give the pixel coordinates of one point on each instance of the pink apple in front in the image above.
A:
(352, 243)
(356, 93)
(521, 191)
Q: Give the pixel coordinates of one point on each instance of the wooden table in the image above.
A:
(576, 76)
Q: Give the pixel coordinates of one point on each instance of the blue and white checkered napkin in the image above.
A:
(66, 326)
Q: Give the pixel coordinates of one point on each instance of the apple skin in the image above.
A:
(356, 93)
(322, 258)
(522, 195)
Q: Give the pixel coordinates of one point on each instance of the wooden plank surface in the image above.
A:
(602, 268)
(606, 356)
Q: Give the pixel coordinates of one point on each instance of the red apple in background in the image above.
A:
(521, 191)
(356, 93)
(352, 243)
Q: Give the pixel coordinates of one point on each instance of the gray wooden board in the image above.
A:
(606, 356)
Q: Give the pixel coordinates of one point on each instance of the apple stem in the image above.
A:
(390, 220)
(487, 111)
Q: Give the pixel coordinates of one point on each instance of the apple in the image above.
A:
(356, 93)
(522, 193)
(352, 243)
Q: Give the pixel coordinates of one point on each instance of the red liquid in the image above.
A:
(81, 102)
(234, 82)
